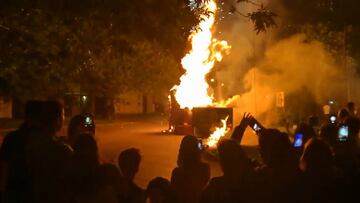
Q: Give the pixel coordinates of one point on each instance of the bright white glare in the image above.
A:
(192, 4)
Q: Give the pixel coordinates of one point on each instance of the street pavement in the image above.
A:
(159, 151)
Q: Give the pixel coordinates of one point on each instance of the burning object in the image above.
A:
(207, 123)
(212, 123)
(193, 109)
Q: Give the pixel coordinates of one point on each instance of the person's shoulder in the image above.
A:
(110, 170)
(6, 146)
(15, 134)
(216, 184)
(136, 190)
(177, 170)
(62, 146)
(217, 181)
(11, 141)
(10, 137)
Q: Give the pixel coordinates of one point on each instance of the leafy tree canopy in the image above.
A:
(102, 46)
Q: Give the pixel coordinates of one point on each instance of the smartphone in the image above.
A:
(298, 140)
(332, 119)
(88, 121)
(200, 146)
(255, 125)
(343, 133)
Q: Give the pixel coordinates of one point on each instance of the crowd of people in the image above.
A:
(37, 166)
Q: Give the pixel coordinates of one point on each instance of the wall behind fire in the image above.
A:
(133, 102)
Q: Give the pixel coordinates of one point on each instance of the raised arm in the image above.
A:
(239, 130)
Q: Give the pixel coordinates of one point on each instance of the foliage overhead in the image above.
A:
(102, 47)
(263, 19)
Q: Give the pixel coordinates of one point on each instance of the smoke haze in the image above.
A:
(259, 66)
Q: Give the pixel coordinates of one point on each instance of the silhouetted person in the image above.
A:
(329, 133)
(237, 183)
(159, 191)
(129, 162)
(319, 181)
(354, 127)
(191, 175)
(280, 171)
(343, 115)
(89, 182)
(80, 124)
(15, 176)
(48, 159)
(347, 158)
(314, 123)
(351, 109)
(307, 132)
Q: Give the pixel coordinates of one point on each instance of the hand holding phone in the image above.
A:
(343, 133)
(255, 125)
(88, 121)
(199, 144)
(298, 140)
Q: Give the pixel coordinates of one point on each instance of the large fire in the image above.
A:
(193, 90)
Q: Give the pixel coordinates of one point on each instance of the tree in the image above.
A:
(102, 46)
(33, 45)
(334, 22)
(49, 50)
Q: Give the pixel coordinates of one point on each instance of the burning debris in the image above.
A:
(218, 133)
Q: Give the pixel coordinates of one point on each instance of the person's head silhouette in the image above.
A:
(233, 159)
(158, 190)
(33, 113)
(330, 134)
(80, 124)
(317, 158)
(129, 162)
(351, 108)
(189, 152)
(343, 115)
(52, 117)
(276, 149)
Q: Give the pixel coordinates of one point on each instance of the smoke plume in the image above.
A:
(260, 66)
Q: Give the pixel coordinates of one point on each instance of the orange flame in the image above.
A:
(218, 133)
(193, 88)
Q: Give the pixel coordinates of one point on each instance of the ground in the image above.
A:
(158, 150)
